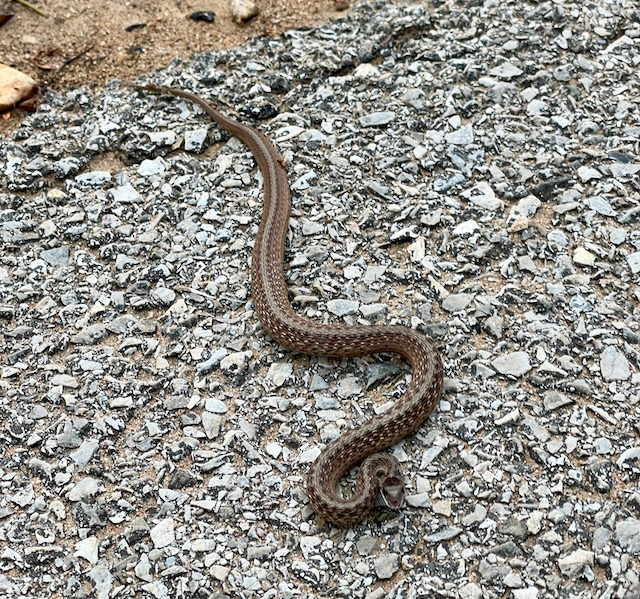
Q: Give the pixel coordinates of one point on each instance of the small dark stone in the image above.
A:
(87, 516)
(262, 112)
(203, 15)
(546, 188)
(135, 26)
(506, 550)
(631, 336)
(181, 479)
(599, 475)
(137, 531)
(621, 156)
(18, 353)
(514, 528)
(20, 332)
(43, 555)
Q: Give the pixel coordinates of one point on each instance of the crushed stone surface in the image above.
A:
(466, 169)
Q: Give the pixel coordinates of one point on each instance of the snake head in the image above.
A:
(392, 490)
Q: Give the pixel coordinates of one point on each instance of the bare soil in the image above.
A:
(89, 42)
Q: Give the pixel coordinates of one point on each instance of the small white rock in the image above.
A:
(87, 549)
(162, 534)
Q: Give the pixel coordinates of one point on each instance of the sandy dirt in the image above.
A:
(89, 42)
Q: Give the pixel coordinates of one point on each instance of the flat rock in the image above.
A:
(15, 87)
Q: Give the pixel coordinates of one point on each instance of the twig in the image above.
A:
(80, 55)
(32, 7)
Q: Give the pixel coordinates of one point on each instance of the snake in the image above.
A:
(379, 474)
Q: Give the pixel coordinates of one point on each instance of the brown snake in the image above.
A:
(379, 473)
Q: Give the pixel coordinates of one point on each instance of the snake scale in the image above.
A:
(379, 473)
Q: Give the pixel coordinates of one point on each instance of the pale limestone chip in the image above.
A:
(243, 10)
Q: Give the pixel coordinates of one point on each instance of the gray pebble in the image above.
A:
(576, 562)
(148, 168)
(214, 360)
(67, 167)
(341, 307)
(444, 534)
(627, 535)
(348, 387)
(614, 365)
(324, 402)
(494, 325)
(512, 364)
(312, 228)
(279, 372)
(484, 196)
(633, 260)
(457, 302)
(317, 383)
(88, 549)
(235, 361)
(461, 137)
(82, 456)
(601, 206)
(164, 295)
(377, 119)
(162, 534)
(102, 581)
(56, 256)
(386, 565)
(195, 138)
(366, 545)
(85, 488)
(65, 380)
(506, 70)
(94, 178)
(552, 400)
(215, 406)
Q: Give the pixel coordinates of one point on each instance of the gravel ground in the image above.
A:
(470, 170)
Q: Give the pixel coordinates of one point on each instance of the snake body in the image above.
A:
(379, 473)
